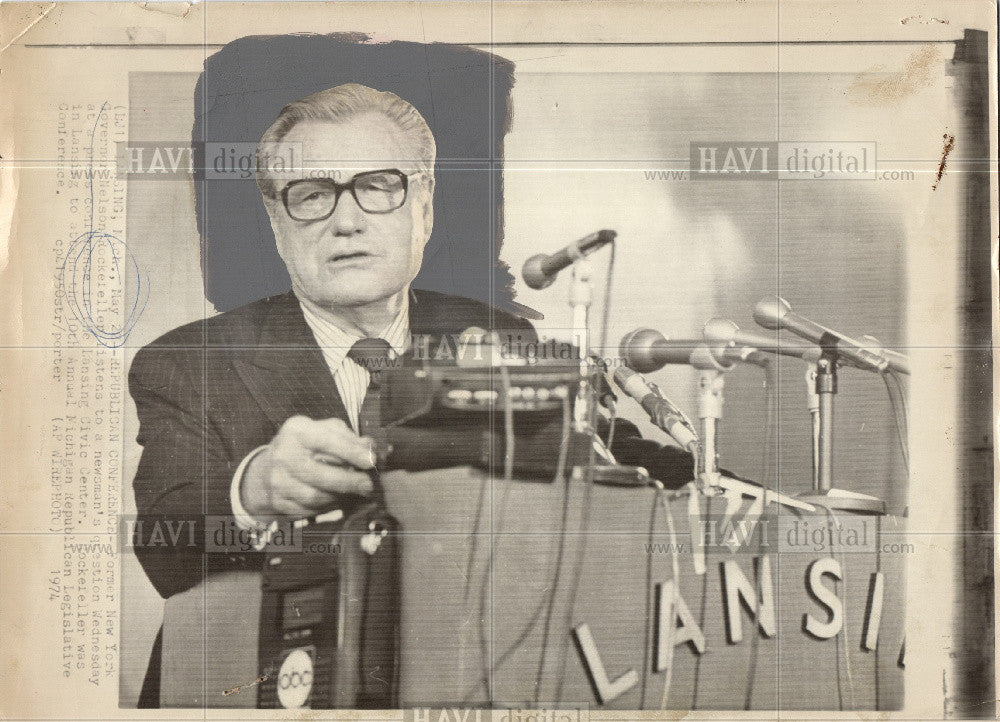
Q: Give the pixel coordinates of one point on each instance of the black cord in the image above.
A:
(588, 490)
(897, 399)
(613, 418)
(475, 538)
(704, 608)
(606, 311)
(550, 603)
(546, 599)
(485, 645)
(676, 579)
(770, 401)
(878, 570)
(648, 636)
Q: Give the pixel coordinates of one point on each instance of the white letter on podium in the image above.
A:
(688, 631)
(740, 589)
(827, 597)
(606, 689)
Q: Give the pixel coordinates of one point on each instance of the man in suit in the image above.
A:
(256, 413)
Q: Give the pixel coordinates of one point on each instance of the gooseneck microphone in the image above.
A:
(776, 313)
(661, 412)
(541, 270)
(725, 332)
(646, 350)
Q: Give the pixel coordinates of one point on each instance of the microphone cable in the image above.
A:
(770, 402)
(606, 311)
(671, 627)
(605, 322)
(612, 418)
(703, 610)
(496, 528)
(897, 399)
(557, 573)
(842, 641)
(496, 517)
(864, 631)
(648, 634)
(516, 644)
(588, 492)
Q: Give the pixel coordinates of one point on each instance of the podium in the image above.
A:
(527, 593)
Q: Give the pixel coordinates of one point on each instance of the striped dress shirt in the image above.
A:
(352, 378)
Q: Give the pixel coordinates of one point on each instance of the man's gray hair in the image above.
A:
(339, 104)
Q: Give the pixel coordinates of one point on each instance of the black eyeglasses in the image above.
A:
(376, 191)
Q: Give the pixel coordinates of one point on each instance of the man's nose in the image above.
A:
(347, 216)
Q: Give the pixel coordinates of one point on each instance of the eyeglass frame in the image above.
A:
(339, 189)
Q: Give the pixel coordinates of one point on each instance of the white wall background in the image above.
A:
(586, 125)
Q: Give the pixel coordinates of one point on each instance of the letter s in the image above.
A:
(825, 596)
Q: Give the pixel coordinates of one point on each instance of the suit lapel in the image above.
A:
(285, 372)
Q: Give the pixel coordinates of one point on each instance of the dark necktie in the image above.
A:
(371, 354)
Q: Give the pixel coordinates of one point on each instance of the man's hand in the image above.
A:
(304, 468)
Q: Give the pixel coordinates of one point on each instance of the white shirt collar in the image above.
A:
(336, 342)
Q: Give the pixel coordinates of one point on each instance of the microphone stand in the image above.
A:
(824, 493)
(711, 397)
(711, 387)
(711, 481)
(580, 297)
(812, 404)
(711, 383)
(607, 471)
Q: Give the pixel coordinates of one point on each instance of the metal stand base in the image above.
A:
(845, 501)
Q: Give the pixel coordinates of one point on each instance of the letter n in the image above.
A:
(738, 589)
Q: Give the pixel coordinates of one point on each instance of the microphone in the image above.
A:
(541, 270)
(661, 412)
(775, 313)
(646, 350)
(726, 333)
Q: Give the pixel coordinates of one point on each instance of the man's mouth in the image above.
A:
(347, 256)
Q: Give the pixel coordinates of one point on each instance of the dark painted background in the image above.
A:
(463, 94)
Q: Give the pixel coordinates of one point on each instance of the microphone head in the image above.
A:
(637, 348)
(720, 331)
(534, 275)
(769, 312)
